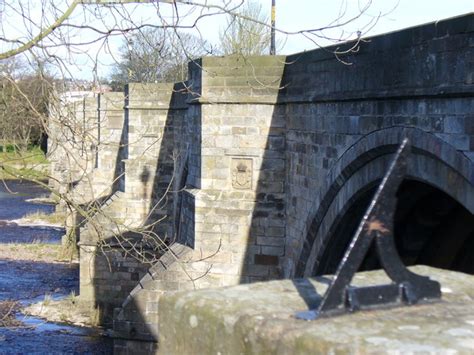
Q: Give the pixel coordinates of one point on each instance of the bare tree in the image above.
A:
(246, 32)
(80, 36)
(76, 26)
(153, 55)
(154, 39)
(24, 100)
(149, 41)
(142, 42)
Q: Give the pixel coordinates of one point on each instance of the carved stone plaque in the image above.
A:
(241, 173)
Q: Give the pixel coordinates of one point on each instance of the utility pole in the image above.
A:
(130, 56)
(272, 34)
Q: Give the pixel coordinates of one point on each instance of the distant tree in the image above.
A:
(154, 55)
(246, 32)
(24, 100)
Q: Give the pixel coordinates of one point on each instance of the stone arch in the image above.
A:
(360, 168)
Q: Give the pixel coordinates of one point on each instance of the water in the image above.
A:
(16, 234)
(30, 281)
(39, 340)
(13, 205)
(13, 195)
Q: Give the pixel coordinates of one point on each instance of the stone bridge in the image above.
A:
(260, 168)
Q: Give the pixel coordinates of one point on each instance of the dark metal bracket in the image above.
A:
(377, 224)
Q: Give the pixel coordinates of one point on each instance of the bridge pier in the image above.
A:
(250, 169)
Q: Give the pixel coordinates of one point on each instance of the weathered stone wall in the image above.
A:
(277, 148)
(152, 110)
(259, 319)
(239, 205)
(103, 141)
(141, 146)
(73, 138)
(70, 130)
(107, 275)
(108, 171)
(416, 83)
(216, 246)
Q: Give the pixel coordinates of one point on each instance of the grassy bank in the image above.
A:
(72, 310)
(55, 218)
(48, 253)
(33, 155)
(30, 164)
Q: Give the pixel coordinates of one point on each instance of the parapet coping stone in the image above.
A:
(259, 319)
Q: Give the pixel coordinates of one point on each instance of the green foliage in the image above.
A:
(16, 164)
(10, 153)
(11, 157)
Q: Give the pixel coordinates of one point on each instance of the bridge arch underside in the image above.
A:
(434, 217)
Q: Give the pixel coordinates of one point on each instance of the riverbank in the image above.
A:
(69, 310)
(34, 270)
(35, 252)
(40, 219)
(31, 164)
(29, 276)
(61, 303)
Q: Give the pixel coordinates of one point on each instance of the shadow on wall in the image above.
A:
(169, 177)
(264, 163)
(122, 153)
(156, 190)
(107, 178)
(327, 109)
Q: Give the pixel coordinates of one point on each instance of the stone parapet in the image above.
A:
(432, 60)
(237, 79)
(259, 319)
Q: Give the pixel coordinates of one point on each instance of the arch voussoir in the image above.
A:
(432, 161)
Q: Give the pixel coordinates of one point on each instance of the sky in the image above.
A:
(394, 15)
(367, 17)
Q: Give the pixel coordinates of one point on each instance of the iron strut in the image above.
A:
(377, 223)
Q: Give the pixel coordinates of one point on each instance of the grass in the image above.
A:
(28, 164)
(47, 253)
(47, 300)
(72, 297)
(71, 310)
(69, 250)
(33, 155)
(56, 218)
(11, 173)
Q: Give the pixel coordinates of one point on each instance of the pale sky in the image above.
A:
(381, 16)
(395, 15)
(295, 15)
